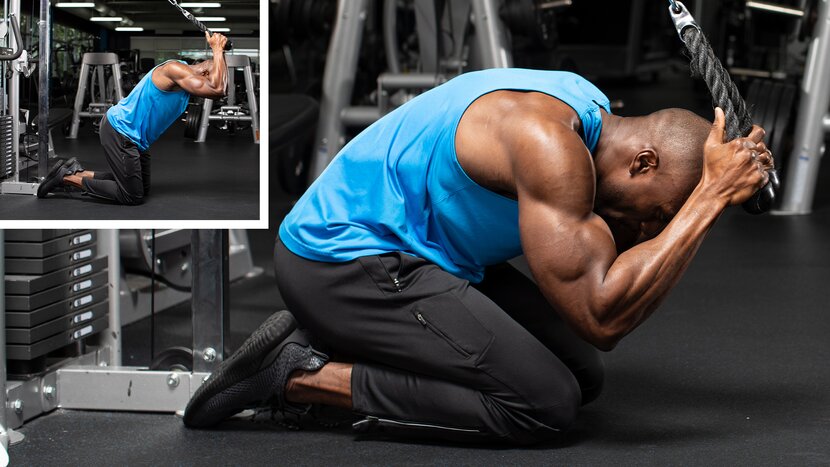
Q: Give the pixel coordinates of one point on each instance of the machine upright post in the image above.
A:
(491, 37)
(338, 82)
(808, 147)
(252, 105)
(14, 94)
(209, 298)
(109, 239)
(79, 102)
(44, 44)
(4, 428)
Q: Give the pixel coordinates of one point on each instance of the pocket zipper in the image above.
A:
(420, 317)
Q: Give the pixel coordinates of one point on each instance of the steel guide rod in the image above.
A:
(44, 46)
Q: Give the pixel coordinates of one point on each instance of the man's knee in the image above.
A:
(539, 420)
(132, 196)
(133, 200)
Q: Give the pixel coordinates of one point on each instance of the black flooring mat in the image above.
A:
(216, 180)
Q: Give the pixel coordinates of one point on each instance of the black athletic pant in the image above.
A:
(432, 348)
(129, 181)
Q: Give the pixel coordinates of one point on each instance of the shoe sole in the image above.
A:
(55, 169)
(220, 396)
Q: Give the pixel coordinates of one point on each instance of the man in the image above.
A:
(395, 258)
(136, 122)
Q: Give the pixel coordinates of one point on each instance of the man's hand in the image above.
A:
(734, 171)
(216, 41)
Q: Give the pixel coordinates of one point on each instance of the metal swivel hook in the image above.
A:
(674, 6)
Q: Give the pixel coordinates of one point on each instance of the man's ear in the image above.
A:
(644, 161)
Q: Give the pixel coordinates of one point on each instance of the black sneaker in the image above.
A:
(55, 176)
(256, 374)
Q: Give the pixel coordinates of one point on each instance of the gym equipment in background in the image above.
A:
(813, 121)
(101, 67)
(446, 48)
(232, 111)
(63, 287)
(30, 137)
(56, 294)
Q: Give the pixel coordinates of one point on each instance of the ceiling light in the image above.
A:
(775, 8)
(128, 28)
(220, 29)
(207, 19)
(200, 5)
(116, 19)
(75, 5)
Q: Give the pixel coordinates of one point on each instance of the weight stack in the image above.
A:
(56, 295)
(6, 141)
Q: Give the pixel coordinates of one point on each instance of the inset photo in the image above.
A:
(130, 110)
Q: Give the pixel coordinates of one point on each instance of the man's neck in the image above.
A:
(611, 133)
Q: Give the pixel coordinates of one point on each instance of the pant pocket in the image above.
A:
(383, 270)
(446, 316)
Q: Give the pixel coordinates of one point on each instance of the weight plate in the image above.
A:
(760, 105)
(752, 95)
(783, 123)
(768, 120)
(173, 359)
(192, 118)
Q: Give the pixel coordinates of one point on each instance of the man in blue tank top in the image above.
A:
(395, 259)
(137, 121)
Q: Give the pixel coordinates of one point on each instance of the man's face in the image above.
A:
(639, 208)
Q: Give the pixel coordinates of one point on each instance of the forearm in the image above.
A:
(219, 74)
(640, 278)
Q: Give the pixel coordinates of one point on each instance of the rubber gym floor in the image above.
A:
(732, 370)
(215, 180)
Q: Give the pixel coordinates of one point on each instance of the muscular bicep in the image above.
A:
(568, 247)
(197, 85)
(569, 255)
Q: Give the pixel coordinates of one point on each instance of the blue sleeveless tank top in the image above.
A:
(398, 186)
(147, 111)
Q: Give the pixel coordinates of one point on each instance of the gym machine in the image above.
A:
(488, 47)
(812, 123)
(36, 154)
(795, 138)
(104, 88)
(197, 121)
(86, 372)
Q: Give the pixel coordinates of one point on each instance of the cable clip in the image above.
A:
(681, 17)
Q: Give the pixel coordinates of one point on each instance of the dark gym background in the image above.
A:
(732, 370)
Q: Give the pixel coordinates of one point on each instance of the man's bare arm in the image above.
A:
(571, 251)
(212, 86)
